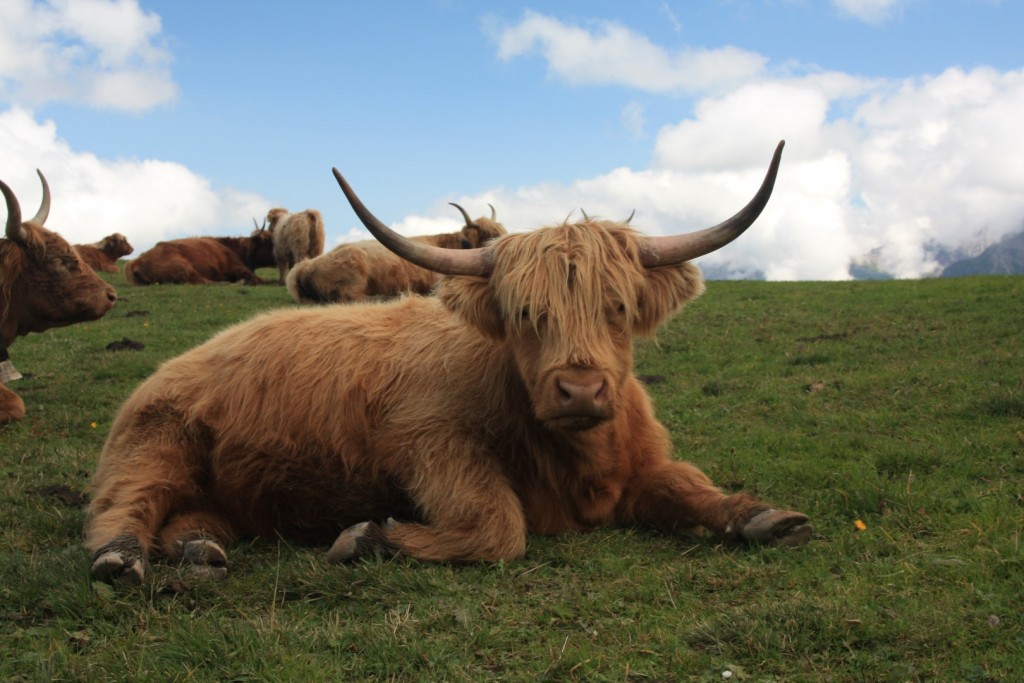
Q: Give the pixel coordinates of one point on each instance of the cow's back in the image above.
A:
(325, 375)
(96, 258)
(193, 260)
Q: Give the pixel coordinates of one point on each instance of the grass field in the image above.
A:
(891, 412)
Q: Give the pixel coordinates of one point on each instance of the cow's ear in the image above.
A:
(472, 299)
(33, 240)
(665, 291)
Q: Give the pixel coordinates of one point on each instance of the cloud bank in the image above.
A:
(147, 200)
(874, 171)
(101, 53)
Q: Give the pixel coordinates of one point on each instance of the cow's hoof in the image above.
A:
(205, 558)
(778, 527)
(358, 540)
(120, 561)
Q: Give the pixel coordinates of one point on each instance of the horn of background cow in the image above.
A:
(631, 214)
(13, 230)
(446, 261)
(469, 221)
(663, 251)
(44, 206)
(494, 214)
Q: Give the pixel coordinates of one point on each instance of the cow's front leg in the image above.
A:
(677, 497)
(471, 514)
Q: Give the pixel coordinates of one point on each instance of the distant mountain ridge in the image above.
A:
(1005, 257)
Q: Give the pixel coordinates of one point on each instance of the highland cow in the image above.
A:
(297, 236)
(442, 428)
(203, 260)
(102, 256)
(44, 283)
(362, 270)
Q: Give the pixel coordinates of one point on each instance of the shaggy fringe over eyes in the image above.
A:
(573, 271)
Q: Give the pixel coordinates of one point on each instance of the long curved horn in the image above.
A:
(447, 261)
(13, 230)
(494, 214)
(469, 221)
(44, 205)
(663, 251)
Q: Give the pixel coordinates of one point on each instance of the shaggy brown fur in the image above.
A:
(103, 255)
(297, 236)
(43, 284)
(360, 270)
(504, 406)
(203, 260)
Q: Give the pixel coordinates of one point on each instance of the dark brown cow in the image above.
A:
(103, 255)
(43, 284)
(361, 270)
(443, 428)
(203, 260)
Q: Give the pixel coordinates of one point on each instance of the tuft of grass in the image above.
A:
(897, 404)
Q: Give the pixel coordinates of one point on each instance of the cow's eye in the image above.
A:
(524, 314)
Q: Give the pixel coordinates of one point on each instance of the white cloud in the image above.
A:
(634, 120)
(870, 11)
(103, 53)
(614, 55)
(147, 200)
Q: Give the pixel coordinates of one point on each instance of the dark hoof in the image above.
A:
(361, 539)
(119, 561)
(205, 558)
(778, 527)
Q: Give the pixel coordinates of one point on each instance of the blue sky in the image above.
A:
(163, 119)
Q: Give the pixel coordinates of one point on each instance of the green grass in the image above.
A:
(900, 404)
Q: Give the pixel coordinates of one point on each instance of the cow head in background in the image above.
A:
(43, 281)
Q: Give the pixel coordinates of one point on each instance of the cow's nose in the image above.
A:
(587, 392)
(112, 296)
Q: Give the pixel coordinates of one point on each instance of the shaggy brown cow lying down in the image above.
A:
(444, 428)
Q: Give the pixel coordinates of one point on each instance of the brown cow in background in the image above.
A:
(103, 255)
(44, 283)
(297, 236)
(203, 260)
(443, 428)
(360, 270)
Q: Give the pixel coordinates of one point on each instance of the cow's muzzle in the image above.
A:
(578, 400)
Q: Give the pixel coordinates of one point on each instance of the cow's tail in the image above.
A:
(316, 237)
